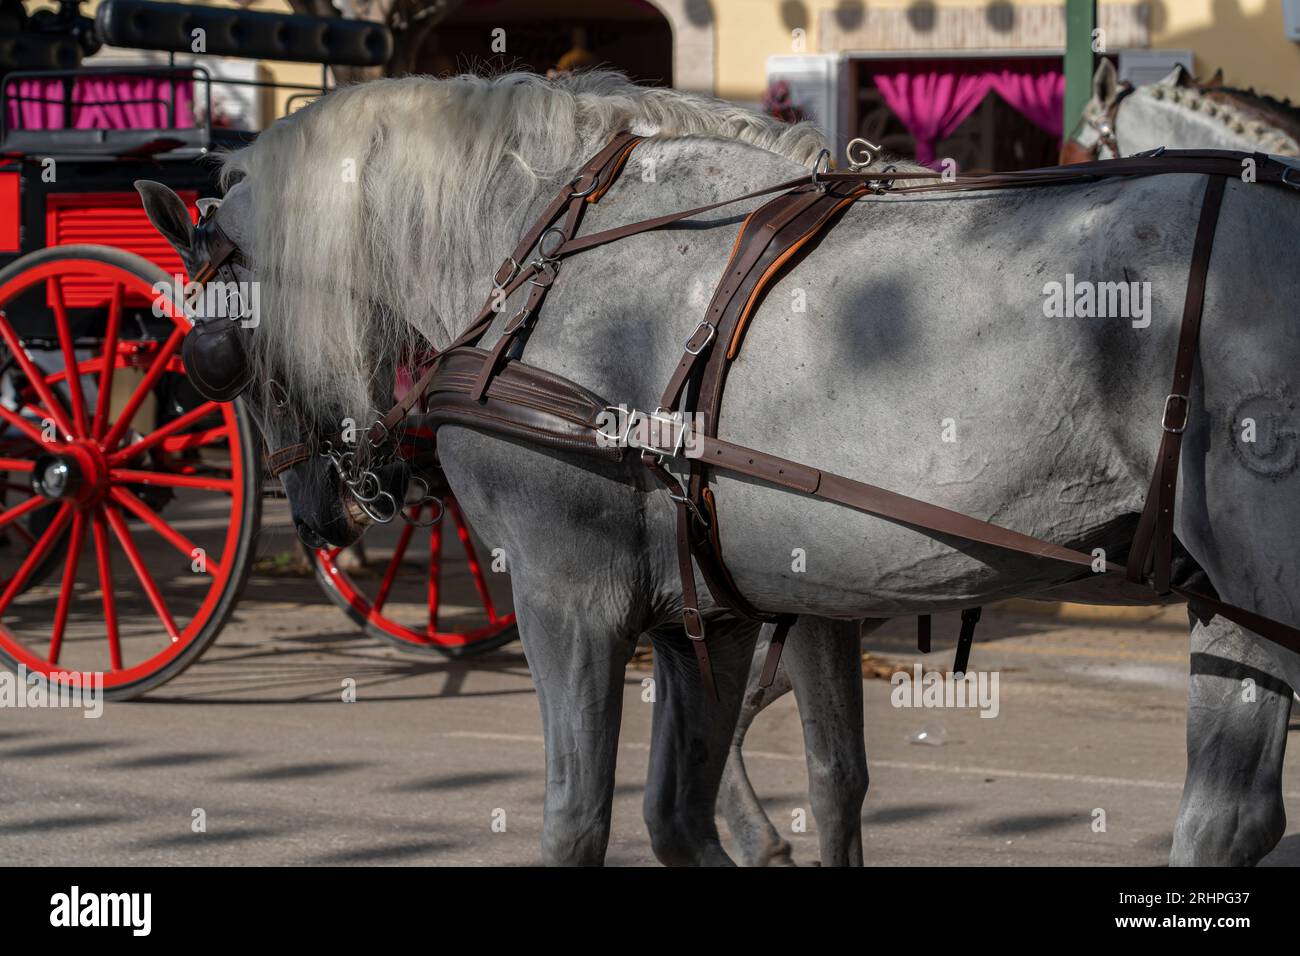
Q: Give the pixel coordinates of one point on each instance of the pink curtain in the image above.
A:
(1039, 96)
(933, 99)
(931, 104)
(101, 102)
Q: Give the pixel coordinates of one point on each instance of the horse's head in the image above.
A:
(337, 484)
(1094, 137)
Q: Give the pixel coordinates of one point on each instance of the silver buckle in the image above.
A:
(661, 415)
(1286, 172)
(1164, 418)
(704, 324)
(514, 271)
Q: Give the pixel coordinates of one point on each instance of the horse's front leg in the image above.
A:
(577, 648)
(1231, 813)
(690, 739)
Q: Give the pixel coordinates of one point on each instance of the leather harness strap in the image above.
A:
(1153, 542)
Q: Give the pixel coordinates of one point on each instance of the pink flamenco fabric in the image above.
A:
(101, 102)
(933, 99)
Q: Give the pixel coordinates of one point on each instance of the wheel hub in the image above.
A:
(77, 472)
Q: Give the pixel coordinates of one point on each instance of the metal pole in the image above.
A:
(1080, 21)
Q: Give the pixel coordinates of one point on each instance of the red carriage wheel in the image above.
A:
(406, 604)
(130, 504)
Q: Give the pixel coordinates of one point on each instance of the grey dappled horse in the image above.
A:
(1232, 811)
(1179, 113)
(378, 212)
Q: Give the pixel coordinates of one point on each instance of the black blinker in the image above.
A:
(216, 360)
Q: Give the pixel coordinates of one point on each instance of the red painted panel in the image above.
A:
(108, 219)
(10, 213)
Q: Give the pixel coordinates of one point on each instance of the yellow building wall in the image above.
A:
(1244, 37)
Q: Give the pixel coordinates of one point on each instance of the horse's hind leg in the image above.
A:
(757, 842)
(1231, 813)
(822, 656)
(577, 651)
(689, 741)
(824, 662)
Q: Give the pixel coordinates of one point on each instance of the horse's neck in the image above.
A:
(1144, 123)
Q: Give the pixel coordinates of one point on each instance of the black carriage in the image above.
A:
(131, 505)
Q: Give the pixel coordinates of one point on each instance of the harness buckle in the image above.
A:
(1164, 418)
(514, 271)
(712, 332)
(690, 505)
(693, 621)
(1286, 172)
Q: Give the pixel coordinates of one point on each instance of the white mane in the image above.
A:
(364, 198)
(1218, 105)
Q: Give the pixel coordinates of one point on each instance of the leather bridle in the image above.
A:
(1105, 125)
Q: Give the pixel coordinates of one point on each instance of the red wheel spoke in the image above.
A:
(167, 479)
(17, 511)
(15, 464)
(118, 524)
(36, 556)
(106, 589)
(398, 553)
(35, 376)
(471, 557)
(75, 397)
(435, 576)
(190, 440)
(168, 533)
(171, 428)
(105, 399)
(22, 424)
(75, 540)
(142, 390)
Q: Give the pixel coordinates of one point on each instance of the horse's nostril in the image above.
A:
(309, 537)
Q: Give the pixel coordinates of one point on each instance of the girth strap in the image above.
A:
(1153, 543)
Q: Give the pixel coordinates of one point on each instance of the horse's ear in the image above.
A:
(1178, 76)
(1216, 80)
(1105, 82)
(167, 212)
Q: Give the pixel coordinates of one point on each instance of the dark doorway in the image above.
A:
(631, 36)
(995, 136)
